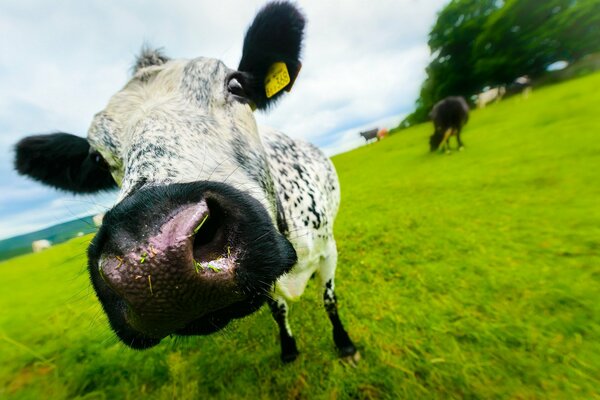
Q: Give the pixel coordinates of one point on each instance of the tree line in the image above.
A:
(478, 43)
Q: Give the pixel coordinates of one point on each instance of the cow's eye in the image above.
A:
(98, 159)
(235, 87)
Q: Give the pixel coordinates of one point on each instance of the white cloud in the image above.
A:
(368, 89)
(61, 61)
(52, 212)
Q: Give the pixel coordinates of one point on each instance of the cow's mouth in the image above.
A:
(205, 325)
(211, 255)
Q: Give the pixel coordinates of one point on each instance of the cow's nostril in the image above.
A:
(210, 237)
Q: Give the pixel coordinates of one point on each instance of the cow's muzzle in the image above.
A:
(185, 258)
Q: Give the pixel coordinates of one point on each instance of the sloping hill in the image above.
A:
(473, 275)
(18, 245)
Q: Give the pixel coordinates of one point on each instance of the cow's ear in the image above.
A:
(149, 57)
(63, 161)
(271, 54)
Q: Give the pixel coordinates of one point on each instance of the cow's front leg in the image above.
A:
(445, 144)
(341, 338)
(279, 309)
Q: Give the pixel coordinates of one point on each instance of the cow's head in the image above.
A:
(434, 140)
(193, 240)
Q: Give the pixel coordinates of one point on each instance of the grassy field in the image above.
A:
(470, 275)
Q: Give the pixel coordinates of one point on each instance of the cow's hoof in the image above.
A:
(289, 350)
(289, 357)
(351, 359)
(347, 350)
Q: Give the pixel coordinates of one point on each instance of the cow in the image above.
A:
(449, 116)
(369, 135)
(520, 85)
(215, 216)
(39, 245)
(487, 96)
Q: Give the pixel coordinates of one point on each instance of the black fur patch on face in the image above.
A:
(275, 35)
(149, 57)
(63, 161)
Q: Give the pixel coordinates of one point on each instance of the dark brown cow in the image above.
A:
(449, 116)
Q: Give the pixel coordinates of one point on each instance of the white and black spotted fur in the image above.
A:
(181, 142)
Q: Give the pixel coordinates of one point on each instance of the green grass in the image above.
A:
(471, 275)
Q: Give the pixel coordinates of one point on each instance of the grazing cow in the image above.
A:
(493, 94)
(449, 116)
(369, 135)
(215, 216)
(39, 245)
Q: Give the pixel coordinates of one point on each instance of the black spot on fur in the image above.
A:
(282, 224)
(313, 209)
(275, 35)
(63, 161)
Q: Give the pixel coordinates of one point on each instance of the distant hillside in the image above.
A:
(19, 245)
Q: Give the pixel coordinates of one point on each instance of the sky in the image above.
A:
(60, 62)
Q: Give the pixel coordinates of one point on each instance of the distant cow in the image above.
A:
(39, 245)
(370, 134)
(520, 85)
(449, 116)
(486, 97)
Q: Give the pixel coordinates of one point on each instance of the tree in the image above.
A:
(451, 41)
(525, 36)
(476, 43)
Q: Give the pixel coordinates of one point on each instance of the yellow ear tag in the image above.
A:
(277, 78)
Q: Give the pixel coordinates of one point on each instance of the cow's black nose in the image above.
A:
(177, 258)
(184, 267)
